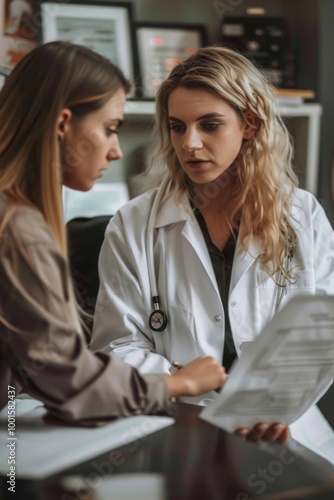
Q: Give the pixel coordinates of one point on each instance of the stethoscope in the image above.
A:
(158, 319)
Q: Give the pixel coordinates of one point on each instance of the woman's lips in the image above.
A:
(196, 164)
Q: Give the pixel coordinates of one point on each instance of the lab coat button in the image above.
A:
(233, 303)
(218, 317)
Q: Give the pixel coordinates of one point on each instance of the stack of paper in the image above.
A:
(284, 372)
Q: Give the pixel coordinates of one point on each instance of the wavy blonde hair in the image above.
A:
(264, 180)
(54, 76)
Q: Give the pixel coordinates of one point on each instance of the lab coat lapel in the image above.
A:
(171, 213)
(243, 260)
(192, 232)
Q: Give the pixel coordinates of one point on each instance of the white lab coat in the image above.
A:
(187, 286)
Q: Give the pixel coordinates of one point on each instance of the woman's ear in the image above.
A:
(64, 122)
(251, 124)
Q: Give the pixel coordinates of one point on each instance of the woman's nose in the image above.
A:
(192, 140)
(115, 152)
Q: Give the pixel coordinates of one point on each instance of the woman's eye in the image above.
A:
(211, 126)
(176, 127)
(111, 131)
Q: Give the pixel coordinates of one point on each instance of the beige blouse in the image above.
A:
(50, 360)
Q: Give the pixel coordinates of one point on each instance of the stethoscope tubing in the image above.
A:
(163, 189)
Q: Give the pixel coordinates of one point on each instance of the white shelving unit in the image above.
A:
(140, 108)
(303, 122)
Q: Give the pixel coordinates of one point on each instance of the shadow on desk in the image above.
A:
(197, 461)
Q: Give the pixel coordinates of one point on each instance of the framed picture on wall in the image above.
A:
(105, 27)
(162, 46)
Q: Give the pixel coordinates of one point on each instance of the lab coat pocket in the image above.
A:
(302, 281)
(264, 280)
(180, 342)
(266, 298)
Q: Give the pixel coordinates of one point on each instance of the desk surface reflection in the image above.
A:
(197, 461)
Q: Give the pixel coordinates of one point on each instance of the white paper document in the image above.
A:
(42, 450)
(284, 371)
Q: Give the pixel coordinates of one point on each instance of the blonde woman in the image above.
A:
(60, 111)
(227, 233)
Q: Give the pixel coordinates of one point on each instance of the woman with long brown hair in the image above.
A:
(60, 111)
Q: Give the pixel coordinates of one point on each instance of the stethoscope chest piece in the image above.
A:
(158, 319)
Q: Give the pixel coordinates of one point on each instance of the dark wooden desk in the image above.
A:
(202, 462)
